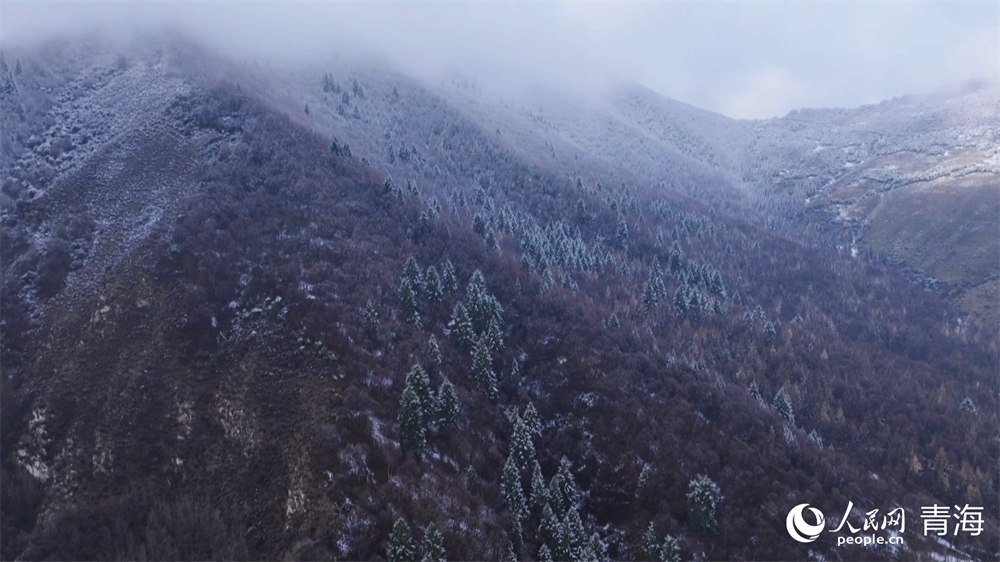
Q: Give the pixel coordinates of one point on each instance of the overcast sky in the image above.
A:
(742, 59)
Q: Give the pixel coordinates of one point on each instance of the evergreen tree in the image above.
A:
(669, 551)
(432, 285)
(967, 405)
(770, 333)
(681, 300)
(408, 303)
(412, 417)
(574, 541)
(703, 498)
(551, 527)
(400, 547)
(530, 417)
(421, 383)
(447, 405)
(754, 391)
(621, 232)
(482, 370)
(676, 257)
(494, 337)
(434, 351)
(449, 280)
(388, 186)
(433, 545)
(783, 405)
(539, 495)
(650, 542)
(511, 487)
(411, 274)
(598, 549)
(481, 304)
(643, 478)
(371, 323)
(522, 448)
(479, 225)
(565, 484)
(459, 329)
(545, 554)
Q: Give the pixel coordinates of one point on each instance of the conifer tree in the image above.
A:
(512, 491)
(459, 329)
(432, 285)
(681, 301)
(650, 542)
(522, 448)
(412, 275)
(479, 225)
(545, 554)
(770, 333)
(783, 406)
(412, 417)
(408, 303)
(598, 549)
(551, 526)
(447, 406)
(539, 495)
(371, 323)
(421, 383)
(669, 551)
(494, 337)
(754, 391)
(621, 231)
(530, 417)
(703, 499)
(433, 546)
(388, 186)
(449, 280)
(482, 370)
(400, 547)
(434, 351)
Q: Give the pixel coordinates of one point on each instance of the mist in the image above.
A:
(742, 60)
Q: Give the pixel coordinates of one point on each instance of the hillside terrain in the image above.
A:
(255, 312)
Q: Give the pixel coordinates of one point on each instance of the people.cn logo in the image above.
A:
(797, 526)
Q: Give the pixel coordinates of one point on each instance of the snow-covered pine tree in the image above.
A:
(522, 448)
(530, 418)
(371, 323)
(432, 549)
(703, 499)
(650, 542)
(512, 491)
(447, 406)
(412, 416)
(783, 405)
(494, 336)
(412, 274)
(400, 547)
(432, 285)
(408, 303)
(669, 551)
(460, 331)
(449, 282)
(482, 370)
(539, 495)
(434, 351)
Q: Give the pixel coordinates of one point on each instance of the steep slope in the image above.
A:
(218, 366)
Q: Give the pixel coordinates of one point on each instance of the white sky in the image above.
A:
(742, 59)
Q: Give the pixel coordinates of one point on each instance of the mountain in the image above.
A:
(220, 278)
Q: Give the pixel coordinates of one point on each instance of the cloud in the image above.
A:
(742, 59)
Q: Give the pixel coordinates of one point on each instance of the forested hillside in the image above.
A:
(251, 313)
